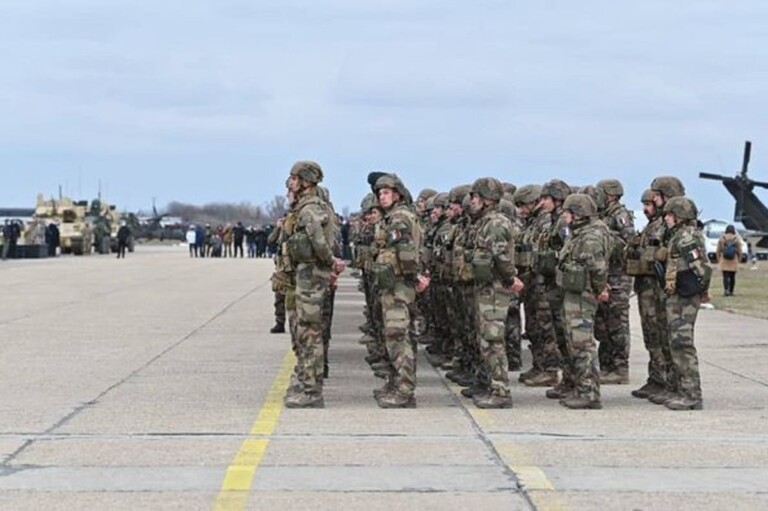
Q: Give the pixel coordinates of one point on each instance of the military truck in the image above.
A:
(75, 234)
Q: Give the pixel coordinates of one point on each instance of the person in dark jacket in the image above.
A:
(123, 237)
(238, 234)
(52, 238)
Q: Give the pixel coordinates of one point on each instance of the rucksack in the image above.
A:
(729, 249)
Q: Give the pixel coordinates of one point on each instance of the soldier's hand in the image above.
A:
(705, 297)
(339, 266)
(604, 296)
(518, 286)
(669, 289)
(422, 284)
(334, 278)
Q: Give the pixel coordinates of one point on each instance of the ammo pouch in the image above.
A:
(638, 267)
(524, 255)
(687, 284)
(572, 277)
(300, 248)
(547, 263)
(279, 281)
(383, 276)
(482, 268)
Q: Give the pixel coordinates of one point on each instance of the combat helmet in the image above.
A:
(324, 194)
(527, 194)
(611, 187)
(557, 189)
(668, 186)
(393, 182)
(596, 194)
(458, 193)
(441, 200)
(647, 196)
(429, 204)
(488, 188)
(682, 207)
(580, 204)
(369, 202)
(307, 170)
(508, 187)
(507, 209)
(425, 194)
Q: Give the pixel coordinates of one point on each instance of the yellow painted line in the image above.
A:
(532, 478)
(241, 472)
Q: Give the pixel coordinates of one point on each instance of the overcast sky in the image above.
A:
(201, 101)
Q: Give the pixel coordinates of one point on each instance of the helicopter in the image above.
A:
(749, 209)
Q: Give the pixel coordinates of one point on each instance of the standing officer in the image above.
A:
(493, 268)
(309, 243)
(397, 278)
(583, 276)
(612, 321)
(687, 281)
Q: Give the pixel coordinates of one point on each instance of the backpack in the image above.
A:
(729, 249)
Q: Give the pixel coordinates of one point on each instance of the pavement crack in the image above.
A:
(92, 402)
(739, 375)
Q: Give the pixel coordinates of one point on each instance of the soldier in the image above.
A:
(612, 321)
(664, 189)
(442, 229)
(687, 280)
(582, 274)
(548, 241)
(337, 269)
(397, 275)
(422, 325)
(513, 322)
(493, 268)
(310, 249)
(525, 199)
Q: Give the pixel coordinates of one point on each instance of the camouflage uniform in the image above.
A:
(278, 281)
(687, 278)
(423, 321)
(493, 269)
(612, 320)
(440, 282)
(583, 274)
(309, 245)
(396, 271)
(513, 323)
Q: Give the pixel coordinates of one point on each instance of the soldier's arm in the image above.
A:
(695, 252)
(592, 255)
(400, 236)
(313, 219)
(503, 251)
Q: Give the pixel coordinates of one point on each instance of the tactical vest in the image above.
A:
(298, 245)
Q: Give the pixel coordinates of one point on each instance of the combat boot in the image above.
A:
(475, 391)
(513, 364)
(647, 390)
(396, 400)
(381, 373)
(493, 401)
(560, 391)
(662, 397)
(575, 402)
(617, 377)
(526, 375)
(279, 328)
(367, 339)
(373, 358)
(684, 403)
(304, 400)
(387, 388)
(542, 379)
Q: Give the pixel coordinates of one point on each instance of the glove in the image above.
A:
(669, 288)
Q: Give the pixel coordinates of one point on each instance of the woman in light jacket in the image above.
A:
(729, 259)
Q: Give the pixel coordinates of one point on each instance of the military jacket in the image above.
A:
(550, 241)
(400, 241)
(311, 238)
(443, 249)
(584, 258)
(494, 246)
(687, 271)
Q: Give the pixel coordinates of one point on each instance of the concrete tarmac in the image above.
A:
(145, 383)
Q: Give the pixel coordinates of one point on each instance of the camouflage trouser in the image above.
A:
(681, 313)
(555, 295)
(280, 307)
(579, 315)
(492, 307)
(328, 303)
(312, 285)
(544, 346)
(612, 328)
(297, 378)
(513, 332)
(453, 318)
(651, 302)
(367, 288)
(440, 306)
(466, 344)
(396, 311)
